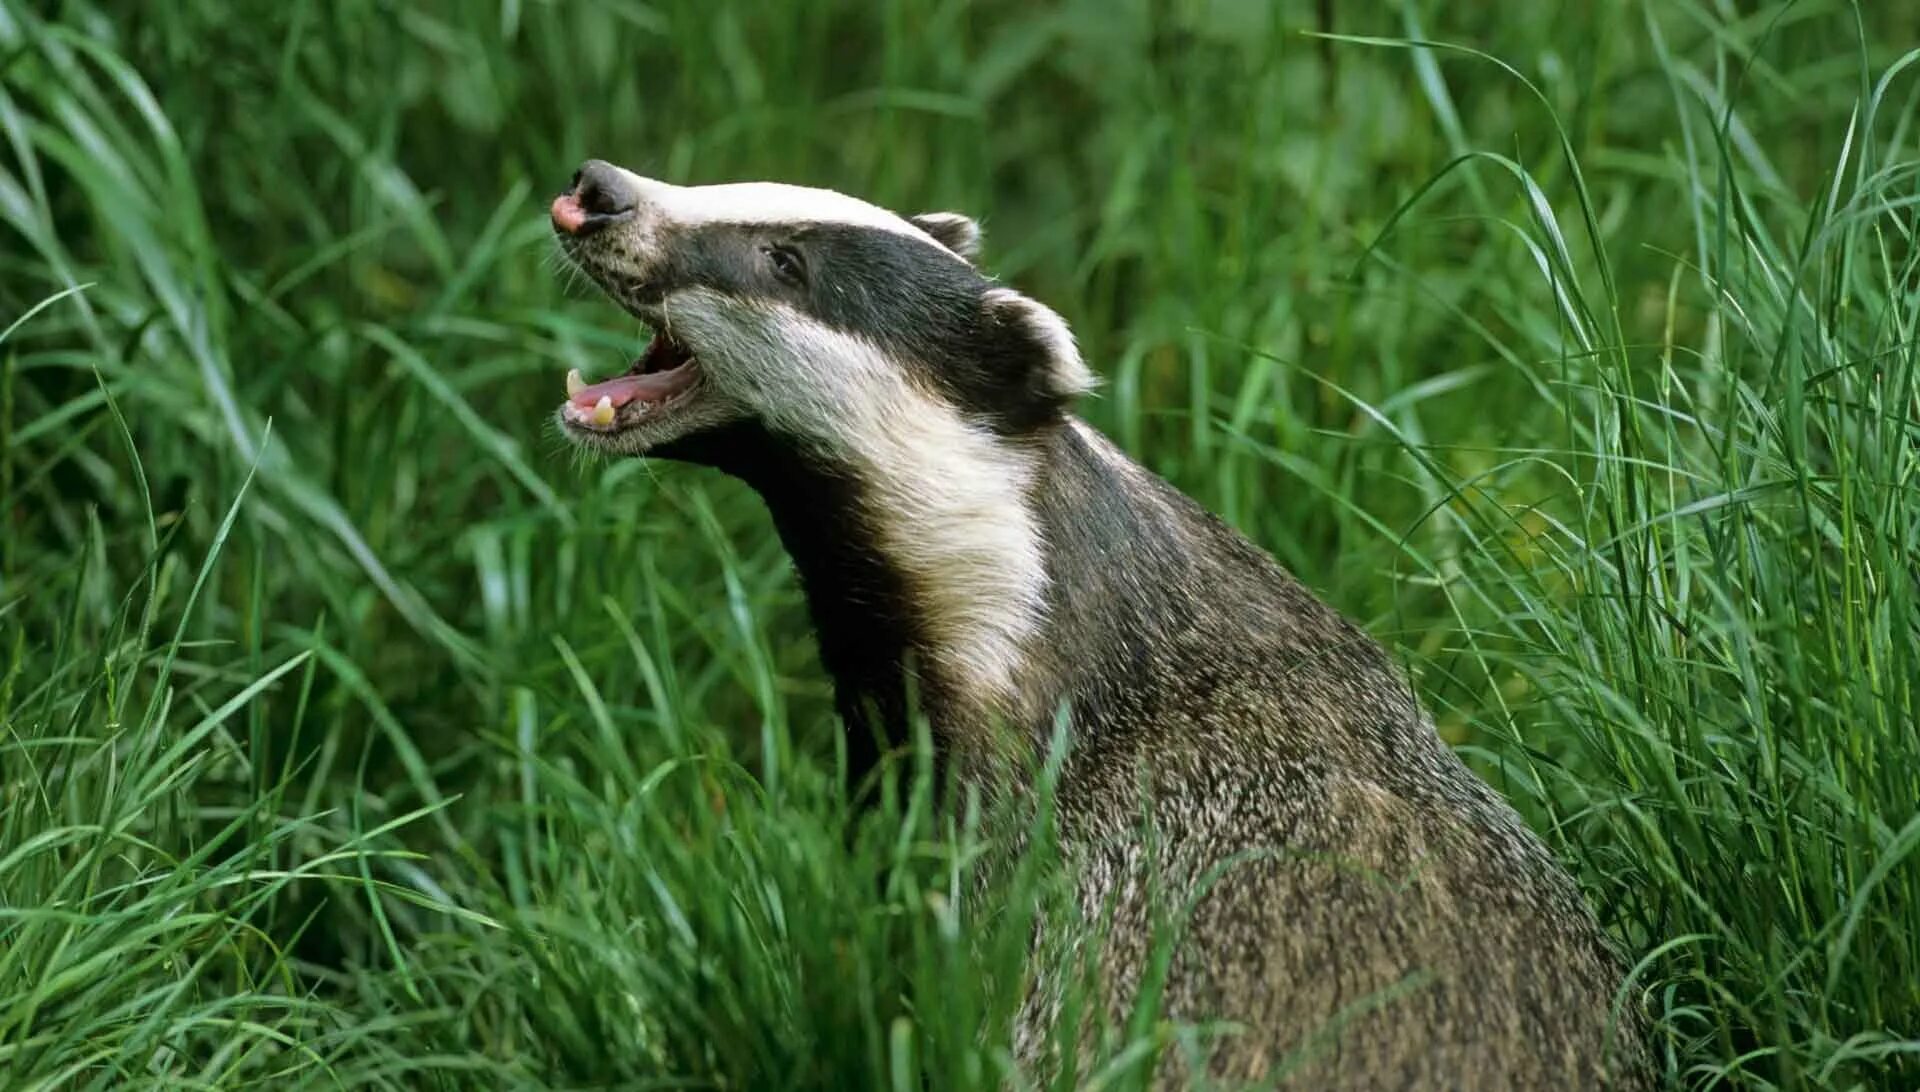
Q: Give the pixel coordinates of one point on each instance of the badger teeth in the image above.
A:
(575, 382)
(602, 412)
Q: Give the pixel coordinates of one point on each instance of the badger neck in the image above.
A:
(1058, 574)
(922, 567)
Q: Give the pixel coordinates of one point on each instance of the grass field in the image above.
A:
(353, 733)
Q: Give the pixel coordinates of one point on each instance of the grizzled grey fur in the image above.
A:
(1367, 912)
(1392, 923)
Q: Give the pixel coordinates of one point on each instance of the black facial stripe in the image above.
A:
(909, 297)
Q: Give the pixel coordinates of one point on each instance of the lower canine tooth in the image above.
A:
(602, 411)
(575, 382)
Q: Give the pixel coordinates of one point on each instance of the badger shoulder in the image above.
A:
(1152, 595)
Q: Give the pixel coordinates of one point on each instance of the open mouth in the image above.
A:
(661, 378)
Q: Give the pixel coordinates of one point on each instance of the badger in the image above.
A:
(1366, 913)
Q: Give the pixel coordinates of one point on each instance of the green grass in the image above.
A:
(354, 734)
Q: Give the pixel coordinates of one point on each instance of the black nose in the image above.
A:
(604, 189)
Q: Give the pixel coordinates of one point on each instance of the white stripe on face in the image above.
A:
(765, 203)
(948, 499)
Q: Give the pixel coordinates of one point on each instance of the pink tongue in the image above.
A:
(635, 388)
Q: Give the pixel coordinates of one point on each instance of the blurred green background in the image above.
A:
(354, 733)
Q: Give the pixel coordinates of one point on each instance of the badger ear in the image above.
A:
(1059, 373)
(951, 230)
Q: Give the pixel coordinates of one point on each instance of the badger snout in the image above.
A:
(601, 194)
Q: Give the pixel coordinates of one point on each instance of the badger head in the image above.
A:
(882, 394)
(810, 313)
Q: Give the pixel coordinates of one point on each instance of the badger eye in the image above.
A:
(787, 264)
